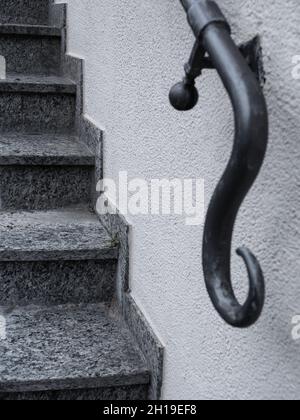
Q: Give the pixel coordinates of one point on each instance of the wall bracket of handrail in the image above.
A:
(241, 71)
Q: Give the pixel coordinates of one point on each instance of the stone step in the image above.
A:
(33, 12)
(55, 257)
(31, 49)
(66, 234)
(22, 29)
(44, 149)
(44, 172)
(37, 104)
(69, 352)
(62, 333)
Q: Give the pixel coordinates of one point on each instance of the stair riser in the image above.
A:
(31, 54)
(129, 393)
(56, 282)
(37, 113)
(41, 188)
(24, 11)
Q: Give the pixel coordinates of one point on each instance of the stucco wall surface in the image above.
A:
(134, 52)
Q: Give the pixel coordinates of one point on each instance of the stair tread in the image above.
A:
(37, 83)
(25, 11)
(25, 29)
(67, 234)
(22, 149)
(67, 347)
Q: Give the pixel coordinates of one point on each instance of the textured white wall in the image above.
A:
(134, 51)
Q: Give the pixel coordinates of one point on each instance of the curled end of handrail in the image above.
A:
(253, 307)
(215, 48)
(222, 295)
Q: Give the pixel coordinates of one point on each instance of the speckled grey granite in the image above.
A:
(143, 333)
(57, 14)
(35, 12)
(67, 234)
(53, 113)
(67, 347)
(37, 84)
(75, 351)
(36, 104)
(118, 228)
(92, 136)
(44, 187)
(148, 343)
(56, 282)
(37, 112)
(38, 30)
(43, 149)
(30, 54)
(89, 133)
(122, 393)
(73, 69)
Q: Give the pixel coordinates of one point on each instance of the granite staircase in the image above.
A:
(60, 338)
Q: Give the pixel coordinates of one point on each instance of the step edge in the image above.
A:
(107, 253)
(11, 154)
(57, 161)
(30, 30)
(58, 89)
(141, 377)
(41, 85)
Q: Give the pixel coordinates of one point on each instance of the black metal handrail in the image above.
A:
(214, 48)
